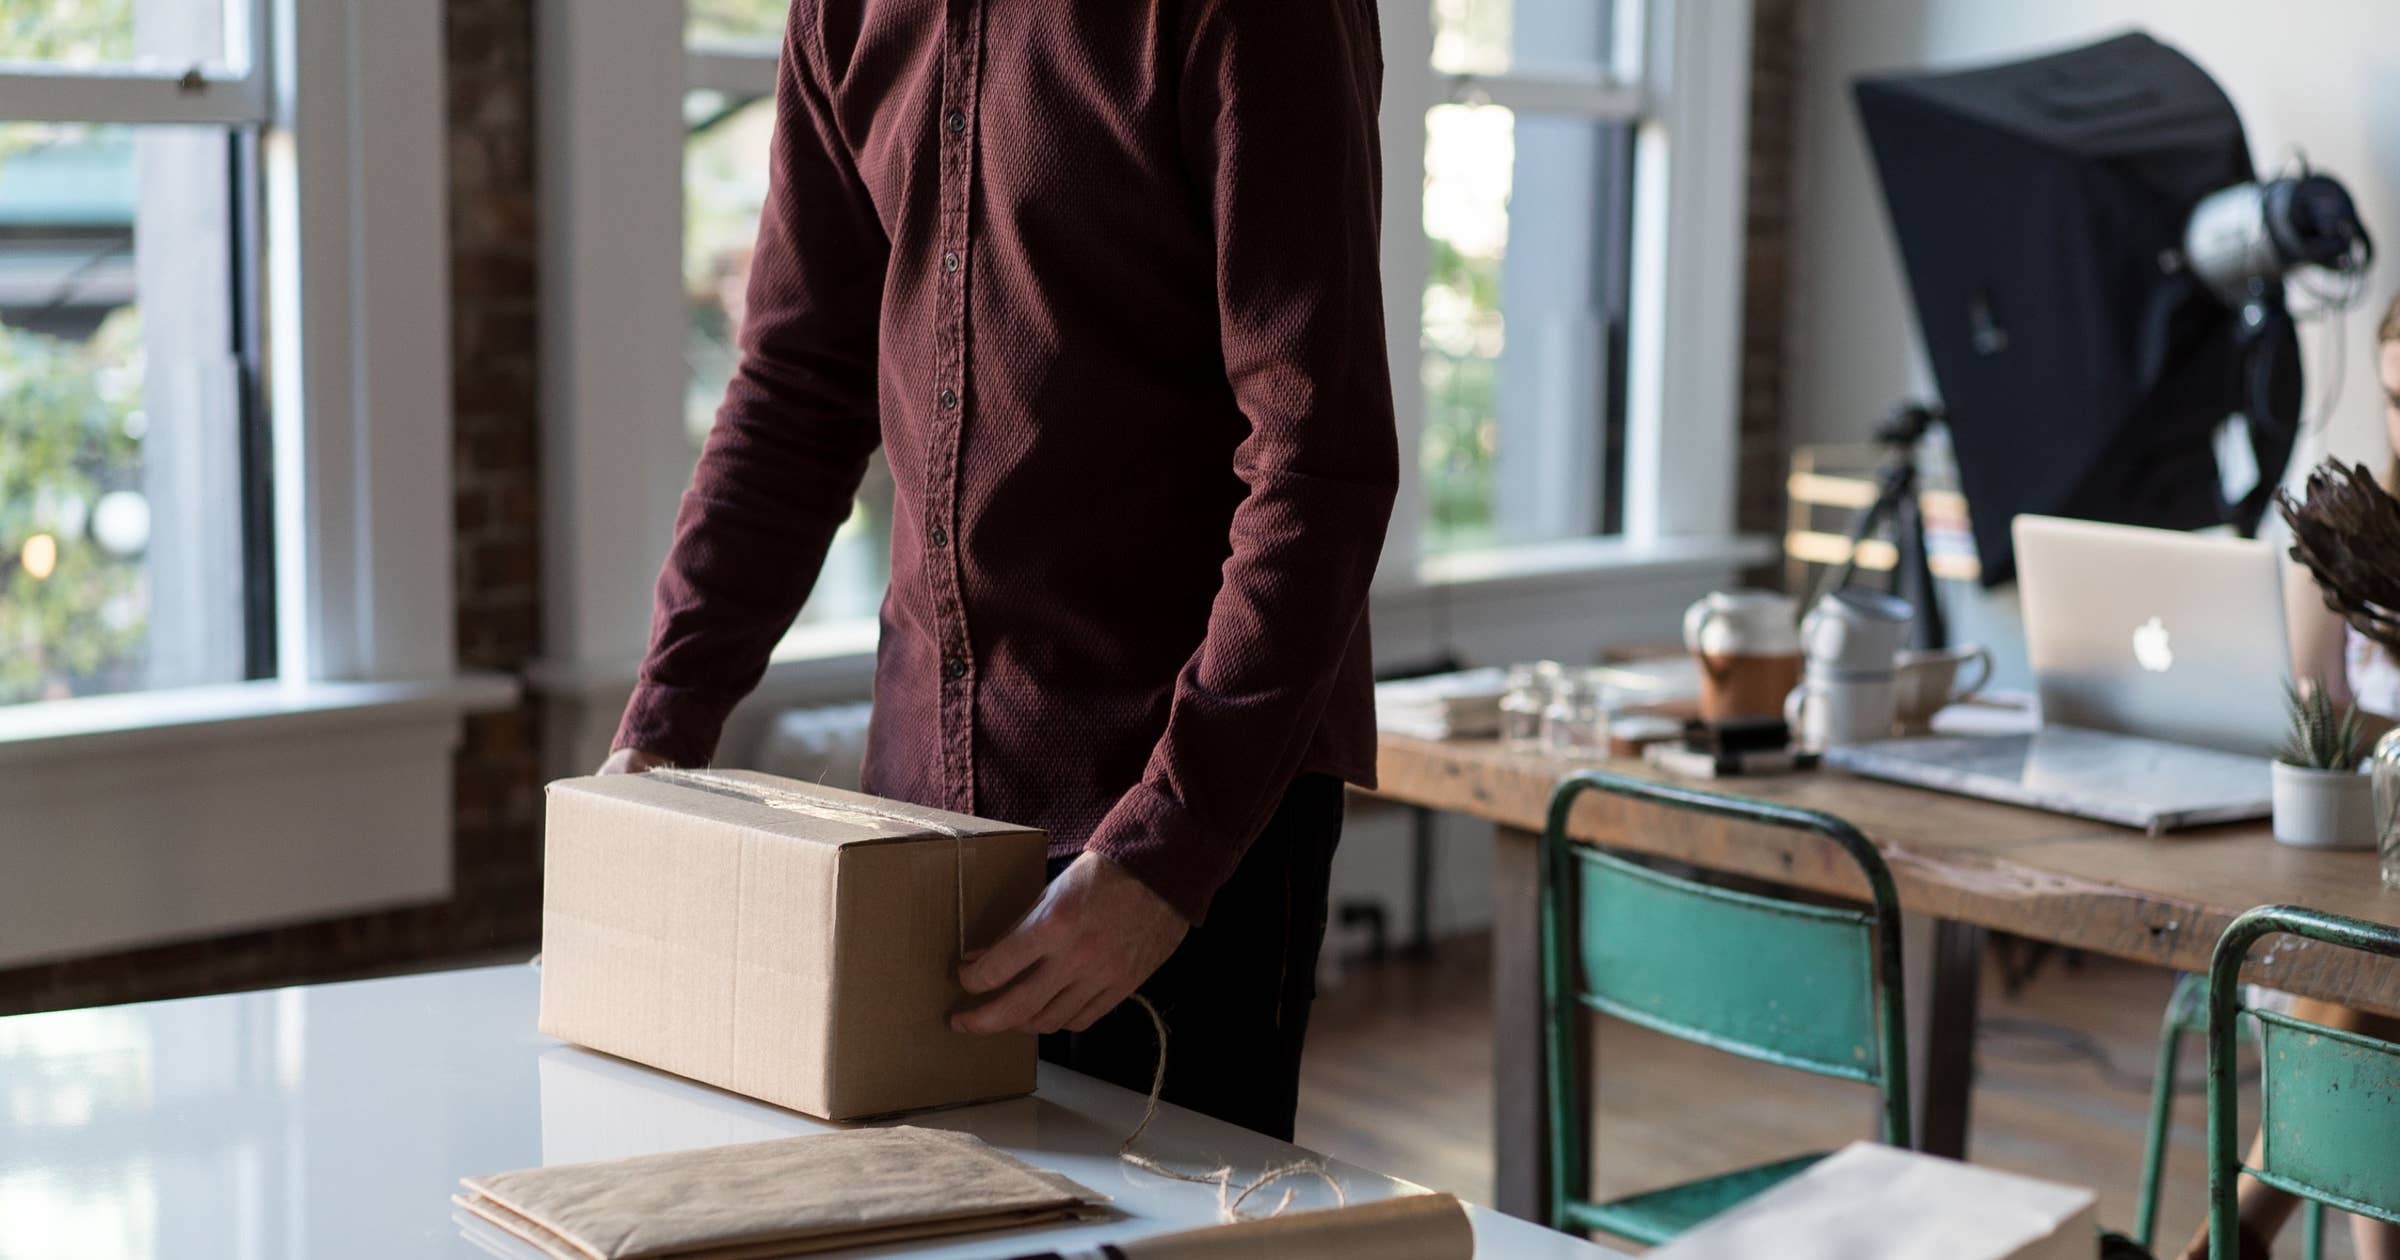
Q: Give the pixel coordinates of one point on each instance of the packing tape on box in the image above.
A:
(855, 814)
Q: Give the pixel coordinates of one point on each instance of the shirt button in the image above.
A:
(956, 122)
(949, 262)
(938, 536)
(954, 668)
(949, 399)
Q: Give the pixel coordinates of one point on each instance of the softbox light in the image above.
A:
(2039, 208)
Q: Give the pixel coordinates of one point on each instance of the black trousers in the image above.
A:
(1235, 994)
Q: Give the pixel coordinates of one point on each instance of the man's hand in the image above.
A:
(1095, 935)
(630, 761)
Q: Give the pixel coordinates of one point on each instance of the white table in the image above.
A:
(336, 1119)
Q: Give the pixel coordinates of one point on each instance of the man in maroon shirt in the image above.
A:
(1101, 277)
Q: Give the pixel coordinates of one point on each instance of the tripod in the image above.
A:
(1896, 502)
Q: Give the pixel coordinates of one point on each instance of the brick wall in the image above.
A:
(1774, 52)
(497, 854)
(494, 292)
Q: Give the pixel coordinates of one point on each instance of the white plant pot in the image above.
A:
(2324, 809)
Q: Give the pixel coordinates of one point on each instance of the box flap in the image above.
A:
(784, 807)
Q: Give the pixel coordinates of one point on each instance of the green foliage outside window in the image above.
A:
(70, 419)
(70, 431)
(74, 32)
(1462, 407)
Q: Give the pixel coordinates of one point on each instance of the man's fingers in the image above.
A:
(986, 970)
(1102, 1003)
(1058, 1010)
(1015, 1005)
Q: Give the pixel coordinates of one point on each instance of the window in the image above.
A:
(729, 118)
(134, 536)
(1529, 192)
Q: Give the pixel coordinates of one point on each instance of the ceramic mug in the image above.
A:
(1828, 709)
(1928, 681)
(1742, 623)
(1748, 647)
(1855, 631)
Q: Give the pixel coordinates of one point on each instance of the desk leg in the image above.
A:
(1945, 1076)
(1521, 1123)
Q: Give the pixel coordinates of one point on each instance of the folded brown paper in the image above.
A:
(1414, 1227)
(790, 1196)
(795, 943)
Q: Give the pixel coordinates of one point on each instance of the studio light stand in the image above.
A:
(1897, 504)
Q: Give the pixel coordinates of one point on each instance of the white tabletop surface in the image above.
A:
(336, 1120)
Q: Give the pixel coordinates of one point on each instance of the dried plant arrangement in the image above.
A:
(2346, 531)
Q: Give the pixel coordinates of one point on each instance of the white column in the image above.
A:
(613, 453)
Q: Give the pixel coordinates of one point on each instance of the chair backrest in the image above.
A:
(2329, 1100)
(1806, 986)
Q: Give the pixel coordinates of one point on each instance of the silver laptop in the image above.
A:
(2160, 659)
(2150, 632)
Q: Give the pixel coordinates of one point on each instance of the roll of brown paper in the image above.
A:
(1413, 1227)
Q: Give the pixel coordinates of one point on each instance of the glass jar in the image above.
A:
(2385, 766)
(1575, 726)
(1522, 704)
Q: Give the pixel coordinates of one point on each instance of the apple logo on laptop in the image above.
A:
(2153, 647)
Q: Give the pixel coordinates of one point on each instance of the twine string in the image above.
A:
(1229, 1201)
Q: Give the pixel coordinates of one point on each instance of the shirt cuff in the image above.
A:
(677, 723)
(1174, 854)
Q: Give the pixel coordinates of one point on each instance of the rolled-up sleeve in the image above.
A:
(1279, 111)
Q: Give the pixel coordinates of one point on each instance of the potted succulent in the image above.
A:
(2321, 799)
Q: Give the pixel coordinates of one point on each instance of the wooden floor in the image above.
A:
(1398, 1078)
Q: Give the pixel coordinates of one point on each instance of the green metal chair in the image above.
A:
(2187, 1016)
(2329, 1101)
(1804, 986)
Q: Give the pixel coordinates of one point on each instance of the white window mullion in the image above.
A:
(361, 337)
(1599, 99)
(740, 71)
(1407, 41)
(115, 95)
(1684, 353)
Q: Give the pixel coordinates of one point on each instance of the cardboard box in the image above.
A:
(1871, 1202)
(795, 943)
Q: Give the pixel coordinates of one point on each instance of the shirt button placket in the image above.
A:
(957, 719)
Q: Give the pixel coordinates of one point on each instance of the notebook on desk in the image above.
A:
(2121, 779)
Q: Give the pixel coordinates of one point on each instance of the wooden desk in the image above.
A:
(1969, 865)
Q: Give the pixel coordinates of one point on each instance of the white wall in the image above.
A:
(2319, 75)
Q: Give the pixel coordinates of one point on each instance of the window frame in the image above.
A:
(360, 347)
(327, 788)
(1682, 79)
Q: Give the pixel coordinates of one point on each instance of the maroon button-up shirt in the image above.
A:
(1101, 277)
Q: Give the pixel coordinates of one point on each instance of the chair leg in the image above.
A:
(2162, 1115)
(2312, 1234)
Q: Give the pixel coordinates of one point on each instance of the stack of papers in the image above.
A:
(790, 1196)
(1463, 705)
(1870, 1202)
